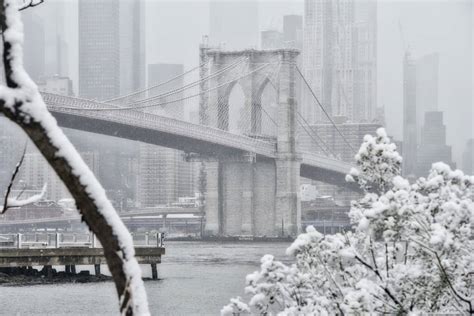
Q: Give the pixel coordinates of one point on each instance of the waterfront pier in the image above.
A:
(72, 249)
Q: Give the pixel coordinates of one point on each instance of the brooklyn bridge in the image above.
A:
(253, 159)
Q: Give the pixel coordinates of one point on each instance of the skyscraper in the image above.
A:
(132, 46)
(34, 46)
(234, 23)
(56, 38)
(427, 69)
(433, 146)
(420, 96)
(293, 31)
(410, 130)
(340, 58)
(99, 49)
(164, 176)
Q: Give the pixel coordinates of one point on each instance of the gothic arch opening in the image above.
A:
(237, 117)
(266, 109)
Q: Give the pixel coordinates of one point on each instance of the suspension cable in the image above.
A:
(315, 133)
(155, 86)
(187, 86)
(324, 110)
(309, 134)
(167, 102)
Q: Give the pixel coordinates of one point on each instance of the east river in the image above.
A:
(195, 279)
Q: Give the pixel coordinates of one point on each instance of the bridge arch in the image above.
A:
(235, 109)
(251, 70)
(265, 109)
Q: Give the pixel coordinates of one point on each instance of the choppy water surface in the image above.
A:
(196, 279)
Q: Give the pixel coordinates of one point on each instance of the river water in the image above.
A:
(196, 278)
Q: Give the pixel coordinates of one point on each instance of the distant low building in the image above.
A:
(325, 215)
(36, 172)
(57, 85)
(308, 192)
(41, 209)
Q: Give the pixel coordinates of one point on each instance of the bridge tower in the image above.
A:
(247, 194)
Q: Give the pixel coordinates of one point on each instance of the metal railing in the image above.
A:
(72, 240)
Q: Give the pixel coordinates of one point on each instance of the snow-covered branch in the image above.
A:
(21, 102)
(10, 202)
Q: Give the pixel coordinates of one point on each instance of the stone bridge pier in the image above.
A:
(251, 195)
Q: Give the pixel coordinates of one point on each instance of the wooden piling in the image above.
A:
(49, 271)
(97, 269)
(154, 271)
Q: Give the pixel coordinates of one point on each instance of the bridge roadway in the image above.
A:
(82, 114)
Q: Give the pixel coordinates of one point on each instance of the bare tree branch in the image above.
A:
(30, 4)
(12, 180)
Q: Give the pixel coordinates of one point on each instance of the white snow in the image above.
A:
(13, 202)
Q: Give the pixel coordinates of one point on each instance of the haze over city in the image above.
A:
(423, 27)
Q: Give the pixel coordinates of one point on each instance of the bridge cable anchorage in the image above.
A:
(324, 110)
(187, 86)
(117, 108)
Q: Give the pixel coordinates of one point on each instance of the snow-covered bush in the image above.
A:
(411, 250)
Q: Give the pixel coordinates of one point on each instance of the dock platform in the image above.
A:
(53, 249)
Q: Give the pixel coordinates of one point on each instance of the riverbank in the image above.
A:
(30, 276)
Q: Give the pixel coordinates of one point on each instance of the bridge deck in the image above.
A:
(164, 131)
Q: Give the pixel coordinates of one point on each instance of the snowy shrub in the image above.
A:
(411, 250)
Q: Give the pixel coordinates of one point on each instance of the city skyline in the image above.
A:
(328, 142)
(453, 50)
